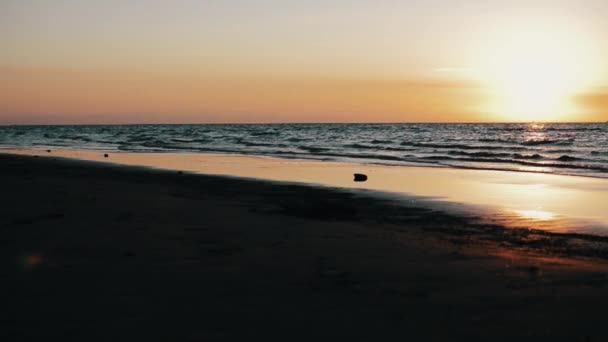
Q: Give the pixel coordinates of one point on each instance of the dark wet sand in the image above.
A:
(94, 252)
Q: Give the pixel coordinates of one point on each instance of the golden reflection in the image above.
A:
(559, 197)
(535, 132)
(539, 215)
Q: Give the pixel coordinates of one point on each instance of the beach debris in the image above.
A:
(359, 177)
(105, 155)
(48, 151)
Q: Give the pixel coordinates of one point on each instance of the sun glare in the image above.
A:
(538, 215)
(533, 75)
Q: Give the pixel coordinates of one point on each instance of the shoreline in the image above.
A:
(348, 160)
(515, 199)
(97, 251)
(388, 203)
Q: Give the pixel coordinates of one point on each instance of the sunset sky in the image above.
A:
(214, 61)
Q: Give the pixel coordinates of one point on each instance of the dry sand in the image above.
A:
(94, 252)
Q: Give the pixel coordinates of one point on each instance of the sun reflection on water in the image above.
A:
(539, 215)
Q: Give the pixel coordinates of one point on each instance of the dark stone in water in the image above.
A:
(359, 177)
(105, 155)
(179, 172)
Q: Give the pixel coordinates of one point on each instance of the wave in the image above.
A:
(496, 140)
(141, 137)
(463, 146)
(202, 141)
(362, 146)
(518, 156)
(548, 142)
(481, 154)
(527, 156)
(313, 149)
(563, 151)
(377, 141)
(347, 155)
(83, 138)
(567, 158)
(520, 162)
(363, 156)
(577, 129)
(398, 149)
(257, 144)
(161, 145)
(263, 133)
(182, 140)
(508, 129)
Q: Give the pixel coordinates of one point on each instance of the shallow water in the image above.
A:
(570, 149)
(518, 199)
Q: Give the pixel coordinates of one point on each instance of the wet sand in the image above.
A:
(518, 199)
(99, 252)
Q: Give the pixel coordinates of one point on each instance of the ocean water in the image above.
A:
(571, 149)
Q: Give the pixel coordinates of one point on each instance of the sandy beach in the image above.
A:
(103, 252)
(265, 170)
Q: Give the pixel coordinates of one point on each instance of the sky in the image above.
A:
(187, 61)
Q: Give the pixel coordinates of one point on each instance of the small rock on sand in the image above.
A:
(105, 155)
(359, 177)
(48, 151)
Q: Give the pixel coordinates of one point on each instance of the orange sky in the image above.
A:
(285, 61)
(128, 96)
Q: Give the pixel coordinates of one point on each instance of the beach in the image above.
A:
(99, 252)
(263, 170)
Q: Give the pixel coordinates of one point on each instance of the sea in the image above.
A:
(561, 148)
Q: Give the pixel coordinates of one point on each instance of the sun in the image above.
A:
(533, 75)
(535, 85)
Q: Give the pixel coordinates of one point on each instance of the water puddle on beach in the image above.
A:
(533, 200)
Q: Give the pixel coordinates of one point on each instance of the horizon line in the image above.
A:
(304, 123)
